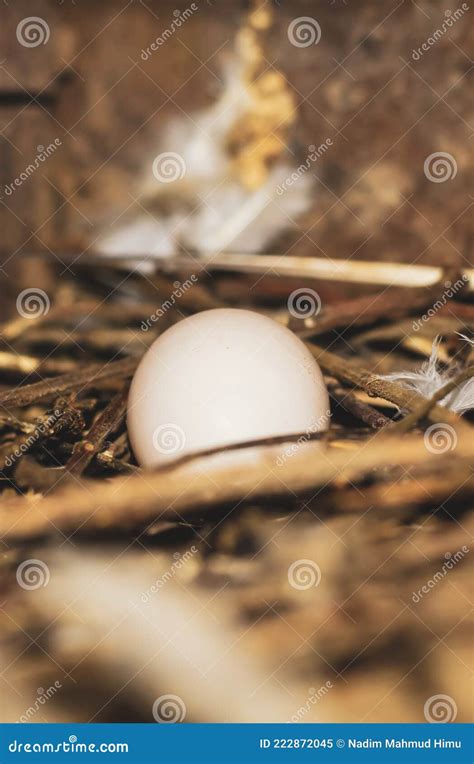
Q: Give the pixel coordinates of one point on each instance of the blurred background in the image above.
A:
(334, 129)
(264, 93)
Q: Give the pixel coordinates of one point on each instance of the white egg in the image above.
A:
(220, 377)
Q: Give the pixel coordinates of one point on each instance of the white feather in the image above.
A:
(431, 377)
(220, 213)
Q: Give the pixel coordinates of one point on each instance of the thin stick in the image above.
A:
(127, 503)
(84, 377)
(423, 410)
(350, 373)
(29, 364)
(360, 410)
(350, 271)
(106, 423)
(391, 304)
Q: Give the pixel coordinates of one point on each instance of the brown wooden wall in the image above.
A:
(89, 88)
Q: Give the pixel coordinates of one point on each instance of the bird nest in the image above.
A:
(330, 585)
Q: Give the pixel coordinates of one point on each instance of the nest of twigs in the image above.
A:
(377, 507)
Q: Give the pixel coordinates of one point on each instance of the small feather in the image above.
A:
(431, 377)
